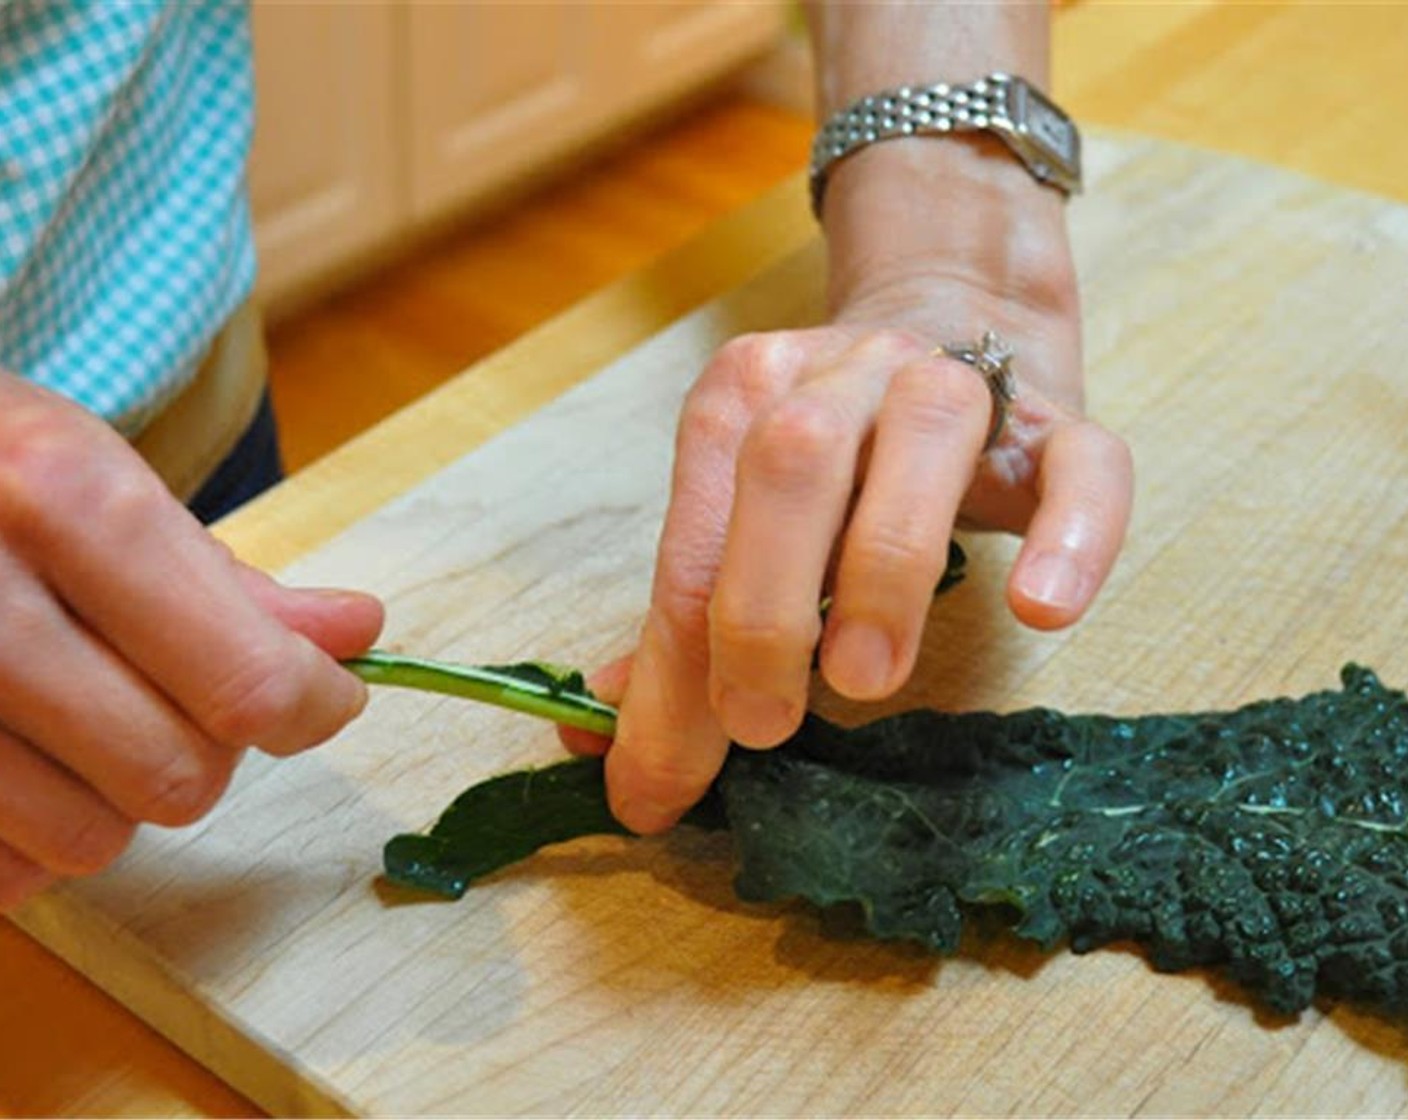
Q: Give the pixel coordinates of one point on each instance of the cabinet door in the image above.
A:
(669, 46)
(493, 89)
(323, 176)
(497, 91)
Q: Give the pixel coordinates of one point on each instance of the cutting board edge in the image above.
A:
(235, 1052)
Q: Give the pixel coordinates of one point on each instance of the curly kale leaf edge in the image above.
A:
(1270, 841)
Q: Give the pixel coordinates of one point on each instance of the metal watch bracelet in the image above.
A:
(1043, 137)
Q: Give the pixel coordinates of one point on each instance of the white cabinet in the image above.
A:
(378, 118)
(323, 176)
(494, 90)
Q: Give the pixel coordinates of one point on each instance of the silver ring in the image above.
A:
(992, 358)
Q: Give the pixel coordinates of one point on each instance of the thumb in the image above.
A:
(609, 684)
(342, 623)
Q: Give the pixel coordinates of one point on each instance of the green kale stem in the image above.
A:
(563, 700)
(534, 688)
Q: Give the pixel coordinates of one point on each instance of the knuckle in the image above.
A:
(939, 395)
(682, 602)
(26, 616)
(890, 346)
(746, 374)
(1113, 450)
(181, 790)
(893, 549)
(1103, 483)
(49, 472)
(797, 439)
(755, 366)
(41, 463)
(709, 418)
(674, 782)
(256, 698)
(739, 630)
(86, 846)
(126, 500)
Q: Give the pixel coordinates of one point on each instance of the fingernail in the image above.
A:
(342, 598)
(1051, 578)
(335, 594)
(861, 661)
(756, 719)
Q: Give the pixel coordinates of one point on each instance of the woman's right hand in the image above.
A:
(138, 657)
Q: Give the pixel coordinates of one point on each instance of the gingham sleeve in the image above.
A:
(124, 228)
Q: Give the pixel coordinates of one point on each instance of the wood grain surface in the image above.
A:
(338, 368)
(1317, 87)
(1245, 333)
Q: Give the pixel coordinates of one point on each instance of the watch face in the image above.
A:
(1049, 127)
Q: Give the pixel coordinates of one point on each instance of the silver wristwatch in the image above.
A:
(1041, 135)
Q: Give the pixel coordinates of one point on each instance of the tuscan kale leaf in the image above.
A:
(1271, 841)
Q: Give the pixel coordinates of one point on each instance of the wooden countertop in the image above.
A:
(1312, 88)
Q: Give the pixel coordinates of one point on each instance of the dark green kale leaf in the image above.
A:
(506, 819)
(1271, 841)
(501, 821)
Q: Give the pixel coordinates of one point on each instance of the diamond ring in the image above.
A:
(992, 358)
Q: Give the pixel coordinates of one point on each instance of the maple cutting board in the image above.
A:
(1246, 332)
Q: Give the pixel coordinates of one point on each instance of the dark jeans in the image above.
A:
(251, 468)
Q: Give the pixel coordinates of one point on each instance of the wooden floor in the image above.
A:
(343, 364)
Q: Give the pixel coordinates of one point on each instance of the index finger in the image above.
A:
(140, 571)
(669, 744)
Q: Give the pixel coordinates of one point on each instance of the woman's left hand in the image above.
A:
(837, 461)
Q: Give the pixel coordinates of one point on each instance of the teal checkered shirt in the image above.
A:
(124, 229)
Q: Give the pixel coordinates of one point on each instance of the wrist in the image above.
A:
(960, 211)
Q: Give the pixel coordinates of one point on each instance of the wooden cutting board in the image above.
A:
(1246, 332)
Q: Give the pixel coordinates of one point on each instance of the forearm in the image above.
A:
(862, 47)
(900, 215)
